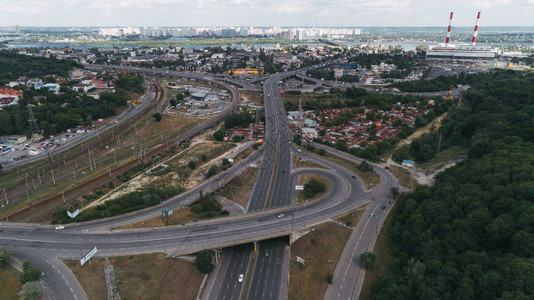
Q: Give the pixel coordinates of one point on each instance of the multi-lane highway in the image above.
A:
(273, 187)
(274, 165)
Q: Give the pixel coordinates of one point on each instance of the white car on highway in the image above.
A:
(241, 277)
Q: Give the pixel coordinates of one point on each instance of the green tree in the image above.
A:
(341, 144)
(368, 258)
(203, 261)
(192, 165)
(321, 152)
(157, 117)
(219, 134)
(365, 166)
(28, 273)
(212, 170)
(313, 187)
(204, 157)
(5, 257)
(395, 192)
(31, 290)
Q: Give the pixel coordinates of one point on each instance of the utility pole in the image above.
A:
(5, 194)
(28, 195)
(53, 178)
(75, 180)
(63, 194)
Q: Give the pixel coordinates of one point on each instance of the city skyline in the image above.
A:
(343, 13)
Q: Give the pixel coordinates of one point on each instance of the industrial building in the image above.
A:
(13, 139)
(448, 51)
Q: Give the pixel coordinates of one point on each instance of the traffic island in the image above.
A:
(148, 276)
(318, 252)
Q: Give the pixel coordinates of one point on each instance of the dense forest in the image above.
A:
(353, 97)
(471, 235)
(401, 61)
(14, 65)
(57, 113)
(440, 83)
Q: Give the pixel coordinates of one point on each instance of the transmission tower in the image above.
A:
(113, 294)
(32, 119)
(301, 114)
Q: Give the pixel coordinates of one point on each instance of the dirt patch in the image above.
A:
(250, 96)
(239, 189)
(370, 178)
(10, 286)
(321, 250)
(404, 175)
(149, 276)
(353, 217)
(298, 163)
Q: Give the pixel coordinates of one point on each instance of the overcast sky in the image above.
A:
(264, 12)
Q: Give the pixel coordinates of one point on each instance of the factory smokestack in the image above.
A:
(448, 38)
(476, 30)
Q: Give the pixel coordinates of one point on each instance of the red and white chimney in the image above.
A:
(448, 38)
(476, 30)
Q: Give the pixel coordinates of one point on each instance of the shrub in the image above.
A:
(329, 278)
(192, 165)
(203, 261)
(28, 273)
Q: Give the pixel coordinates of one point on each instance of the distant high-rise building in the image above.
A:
(10, 29)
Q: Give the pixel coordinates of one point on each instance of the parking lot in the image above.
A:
(13, 153)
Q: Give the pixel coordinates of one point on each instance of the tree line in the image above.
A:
(57, 113)
(471, 235)
(14, 65)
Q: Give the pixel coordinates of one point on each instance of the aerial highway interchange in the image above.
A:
(271, 216)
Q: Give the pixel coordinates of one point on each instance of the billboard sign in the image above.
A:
(88, 256)
(73, 214)
(166, 212)
(301, 260)
(299, 187)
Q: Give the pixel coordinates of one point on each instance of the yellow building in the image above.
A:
(245, 71)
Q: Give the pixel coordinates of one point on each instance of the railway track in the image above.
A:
(48, 205)
(33, 175)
